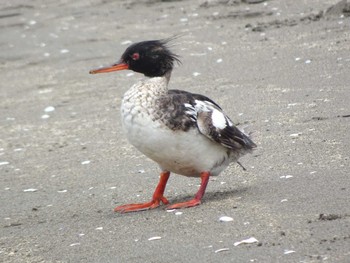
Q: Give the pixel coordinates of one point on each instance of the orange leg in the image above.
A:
(197, 199)
(156, 199)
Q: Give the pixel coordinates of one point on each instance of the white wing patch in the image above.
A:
(218, 119)
(204, 105)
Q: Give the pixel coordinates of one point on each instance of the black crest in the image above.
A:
(152, 58)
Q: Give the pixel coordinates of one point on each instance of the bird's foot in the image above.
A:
(191, 203)
(198, 197)
(142, 206)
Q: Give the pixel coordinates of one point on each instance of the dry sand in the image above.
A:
(279, 67)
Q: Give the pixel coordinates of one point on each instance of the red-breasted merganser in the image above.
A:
(185, 133)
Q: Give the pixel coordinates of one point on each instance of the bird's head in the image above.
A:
(152, 58)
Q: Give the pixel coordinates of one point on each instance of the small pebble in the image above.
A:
(4, 163)
(85, 162)
(99, 228)
(45, 116)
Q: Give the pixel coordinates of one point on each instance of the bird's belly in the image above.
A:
(187, 153)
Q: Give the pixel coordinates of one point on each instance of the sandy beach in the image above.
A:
(280, 69)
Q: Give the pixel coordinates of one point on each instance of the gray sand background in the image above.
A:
(279, 68)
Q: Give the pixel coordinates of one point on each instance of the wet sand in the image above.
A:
(279, 69)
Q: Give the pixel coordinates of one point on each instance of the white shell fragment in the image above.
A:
(85, 162)
(99, 228)
(30, 190)
(4, 163)
(49, 109)
(246, 241)
(126, 42)
(221, 250)
(287, 251)
(154, 238)
(225, 219)
(286, 176)
(74, 244)
(64, 51)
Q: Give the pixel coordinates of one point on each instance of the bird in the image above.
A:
(184, 133)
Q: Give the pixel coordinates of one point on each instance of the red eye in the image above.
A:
(135, 56)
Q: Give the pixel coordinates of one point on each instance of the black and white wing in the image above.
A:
(214, 124)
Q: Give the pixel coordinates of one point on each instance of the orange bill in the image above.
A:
(114, 67)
